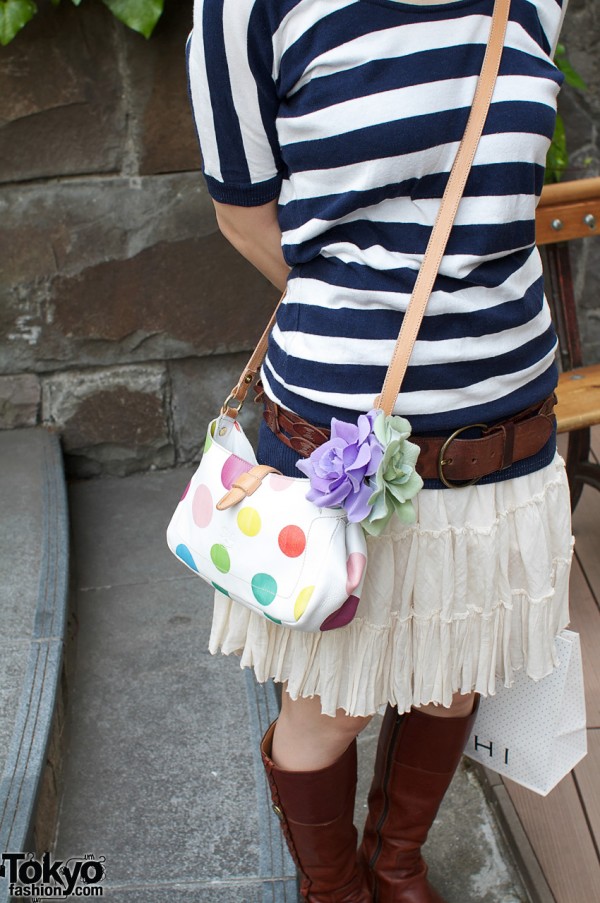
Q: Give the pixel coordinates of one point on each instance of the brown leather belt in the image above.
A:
(454, 461)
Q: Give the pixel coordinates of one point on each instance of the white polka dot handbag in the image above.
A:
(535, 731)
(253, 535)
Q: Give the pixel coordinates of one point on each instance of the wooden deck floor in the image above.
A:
(563, 829)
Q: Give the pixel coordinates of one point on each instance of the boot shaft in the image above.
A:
(316, 810)
(417, 757)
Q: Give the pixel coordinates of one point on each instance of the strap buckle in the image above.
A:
(442, 461)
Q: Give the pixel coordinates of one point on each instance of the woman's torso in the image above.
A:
(351, 111)
(374, 100)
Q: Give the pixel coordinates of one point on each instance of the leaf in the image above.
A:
(14, 14)
(141, 15)
(558, 158)
(572, 78)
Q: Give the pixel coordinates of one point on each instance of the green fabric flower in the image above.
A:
(396, 481)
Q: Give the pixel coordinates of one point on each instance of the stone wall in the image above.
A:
(124, 316)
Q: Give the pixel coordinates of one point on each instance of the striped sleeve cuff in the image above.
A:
(244, 195)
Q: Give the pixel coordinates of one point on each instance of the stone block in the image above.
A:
(47, 808)
(162, 122)
(199, 386)
(118, 271)
(111, 421)
(580, 109)
(174, 299)
(20, 397)
(583, 162)
(61, 110)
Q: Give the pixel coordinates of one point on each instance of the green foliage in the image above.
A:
(557, 160)
(14, 14)
(141, 15)
(572, 78)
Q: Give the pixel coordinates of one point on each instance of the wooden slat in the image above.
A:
(569, 202)
(560, 837)
(573, 219)
(570, 191)
(585, 619)
(586, 776)
(585, 593)
(578, 399)
(585, 585)
(586, 529)
(596, 442)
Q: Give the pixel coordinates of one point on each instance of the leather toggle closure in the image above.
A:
(245, 485)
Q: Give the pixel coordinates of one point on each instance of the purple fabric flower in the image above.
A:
(338, 469)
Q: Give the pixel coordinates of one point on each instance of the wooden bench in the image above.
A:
(566, 211)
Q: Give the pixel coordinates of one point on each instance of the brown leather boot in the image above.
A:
(316, 810)
(417, 756)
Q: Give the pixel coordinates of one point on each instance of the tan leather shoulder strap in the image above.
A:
(437, 241)
(447, 212)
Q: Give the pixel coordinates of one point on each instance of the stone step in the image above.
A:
(33, 612)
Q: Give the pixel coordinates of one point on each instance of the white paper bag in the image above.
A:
(534, 733)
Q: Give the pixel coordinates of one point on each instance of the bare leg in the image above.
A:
(461, 705)
(306, 740)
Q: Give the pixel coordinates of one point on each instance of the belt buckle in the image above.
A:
(442, 461)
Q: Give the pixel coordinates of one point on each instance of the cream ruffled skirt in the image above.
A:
(474, 591)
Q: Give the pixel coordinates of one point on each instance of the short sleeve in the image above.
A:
(234, 101)
(551, 14)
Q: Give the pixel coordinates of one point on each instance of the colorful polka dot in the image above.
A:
(292, 541)
(186, 490)
(220, 589)
(248, 520)
(220, 558)
(302, 601)
(279, 482)
(355, 568)
(342, 616)
(202, 506)
(232, 468)
(207, 443)
(264, 588)
(275, 620)
(185, 555)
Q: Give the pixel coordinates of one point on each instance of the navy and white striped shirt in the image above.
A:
(351, 112)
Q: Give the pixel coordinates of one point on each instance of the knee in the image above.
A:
(349, 726)
(462, 705)
(303, 715)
